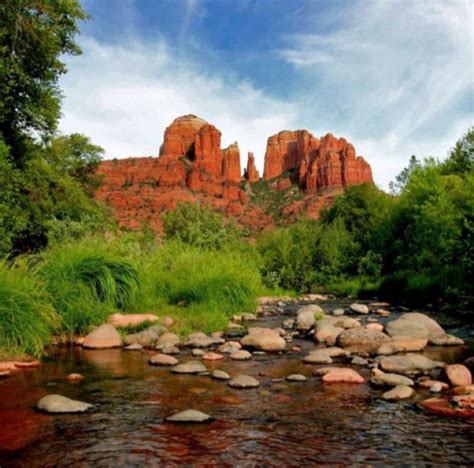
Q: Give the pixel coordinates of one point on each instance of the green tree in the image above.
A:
(461, 158)
(34, 35)
(199, 226)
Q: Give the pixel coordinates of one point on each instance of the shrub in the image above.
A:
(87, 282)
(26, 315)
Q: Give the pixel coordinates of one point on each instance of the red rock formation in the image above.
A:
(231, 163)
(251, 173)
(326, 163)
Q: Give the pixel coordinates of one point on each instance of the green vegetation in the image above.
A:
(27, 318)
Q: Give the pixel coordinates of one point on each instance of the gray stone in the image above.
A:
(382, 379)
(61, 404)
(400, 392)
(359, 361)
(409, 364)
(402, 327)
(434, 328)
(190, 367)
(189, 416)
(361, 340)
(220, 375)
(244, 381)
(359, 308)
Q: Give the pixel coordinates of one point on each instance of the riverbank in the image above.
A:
(280, 421)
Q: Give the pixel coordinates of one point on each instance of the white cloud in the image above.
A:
(392, 74)
(124, 97)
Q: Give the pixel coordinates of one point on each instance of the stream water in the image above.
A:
(279, 423)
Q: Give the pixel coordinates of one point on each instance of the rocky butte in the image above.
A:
(306, 171)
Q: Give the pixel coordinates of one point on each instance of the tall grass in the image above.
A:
(27, 318)
(209, 286)
(87, 281)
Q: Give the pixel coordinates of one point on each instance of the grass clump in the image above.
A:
(27, 318)
(87, 281)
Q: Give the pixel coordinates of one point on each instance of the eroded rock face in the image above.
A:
(251, 173)
(325, 163)
(231, 163)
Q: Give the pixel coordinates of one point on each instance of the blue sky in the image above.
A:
(395, 77)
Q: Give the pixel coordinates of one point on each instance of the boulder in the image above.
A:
(345, 322)
(400, 392)
(305, 320)
(60, 404)
(325, 332)
(359, 308)
(201, 340)
(402, 344)
(264, 339)
(229, 347)
(403, 327)
(432, 327)
(130, 320)
(361, 340)
(324, 356)
(162, 360)
(458, 375)
(244, 381)
(190, 367)
(343, 375)
(134, 347)
(446, 340)
(375, 326)
(189, 416)
(105, 336)
(443, 407)
(409, 364)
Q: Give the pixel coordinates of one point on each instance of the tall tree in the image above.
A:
(34, 35)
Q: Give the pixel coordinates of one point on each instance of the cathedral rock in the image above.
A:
(192, 167)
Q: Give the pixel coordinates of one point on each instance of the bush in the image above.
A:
(87, 282)
(26, 315)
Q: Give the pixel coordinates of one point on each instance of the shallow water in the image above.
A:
(280, 423)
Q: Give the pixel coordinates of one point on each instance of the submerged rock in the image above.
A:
(400, 392)
(343, 375)
(162, 360)
(189, 416)
(409, 364)
(190, 367)
(244, 381)
(105, 336)
(56, 404)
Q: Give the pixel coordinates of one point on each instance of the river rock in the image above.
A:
(229, 347)
(105, 336)
(198, 352)
(323, 370)
(248, 317)
(162, 360)
(359, 308)
(375, 326)
(320, 356)
(189, 416)
(264, 339)
(343, 375)
(244, 381)
(305, 320)
(296, 378)
(338, 312)
(134, 347)
(212, 357)
(433, 328)
(325, 332)
(382, 379)
(167, 339)
(130, 320)
(190, 367)
(464, 390)
(403, 327)
(361, 340)
(430, 383)
(146, 338)
(28, 364)
(359, 361)
(446, 340)
(400, 392)
(220, 375)
(75, 377)
(170, 349)
(61, 404)
(345, 322)
(240, 355)
(201, 340)
(458, 375)
(402, 344)
(409, 364)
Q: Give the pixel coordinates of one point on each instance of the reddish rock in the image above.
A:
(251, 173)
(458, 375)
(231, 163)
(443, 407)
(343, 375)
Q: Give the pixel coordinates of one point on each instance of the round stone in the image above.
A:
(296, 378)
(241, 355)
(400, 392)
(61, 404)
(244, 381)
(190, 367)
(220, 375)
(189, 416)
(162, 360)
